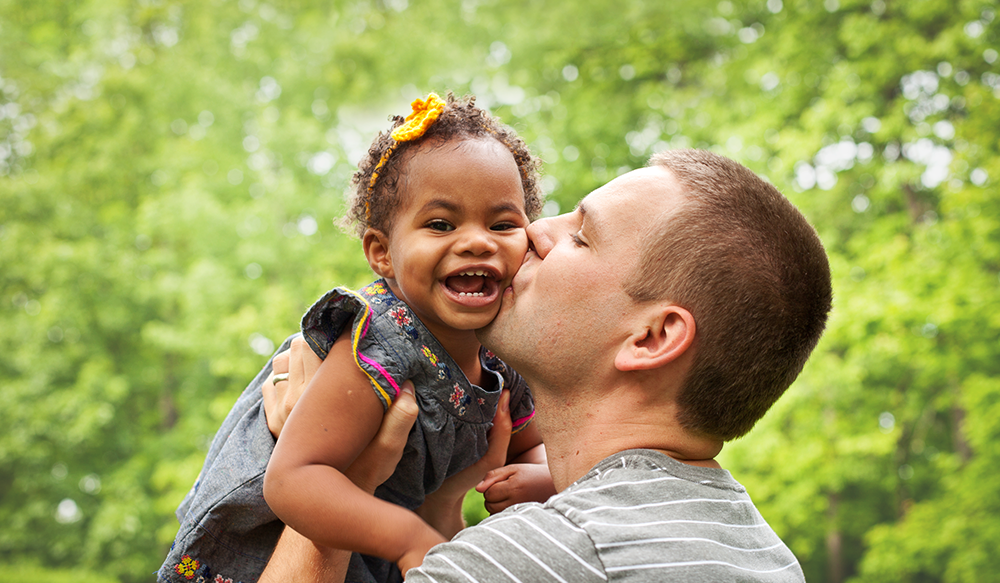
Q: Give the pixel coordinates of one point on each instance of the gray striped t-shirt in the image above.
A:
(637, 516)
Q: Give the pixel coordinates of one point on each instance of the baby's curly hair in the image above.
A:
(375, 207)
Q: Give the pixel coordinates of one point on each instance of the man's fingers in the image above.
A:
(274, 417)
(399, 419)
(496, 455)
(295, 367)
(310, 362)
(280, 362)
(499, 439)
(378, 460)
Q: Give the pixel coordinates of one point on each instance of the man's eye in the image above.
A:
(577, 240)
(440, 226)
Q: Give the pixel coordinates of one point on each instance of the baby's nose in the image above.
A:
(478, 242)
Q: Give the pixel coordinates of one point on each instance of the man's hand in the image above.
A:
(300, 363)
(296, 558)
(442, 509)
(378, 460)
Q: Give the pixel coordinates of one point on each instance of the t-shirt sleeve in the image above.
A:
(526, 543)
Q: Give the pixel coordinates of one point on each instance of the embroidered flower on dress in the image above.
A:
(459, 399)
(402, 317)
(187, 567)
(376, 289)
(376, 292)
(494, 362)
(219, 579)
(443, 372)
(429, 354)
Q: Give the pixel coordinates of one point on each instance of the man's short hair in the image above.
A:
(753, 273)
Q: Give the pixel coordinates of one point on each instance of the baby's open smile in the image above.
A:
(478, 283)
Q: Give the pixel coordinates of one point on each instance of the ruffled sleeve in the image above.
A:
(339, 308)
(522, 406)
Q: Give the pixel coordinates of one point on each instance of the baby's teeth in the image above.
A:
(474, 294)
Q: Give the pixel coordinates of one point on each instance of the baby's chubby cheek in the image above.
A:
(518, 252)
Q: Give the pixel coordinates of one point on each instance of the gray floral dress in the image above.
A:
(227, 530)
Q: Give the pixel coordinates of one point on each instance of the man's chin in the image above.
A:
(491, 335)
(483, 334)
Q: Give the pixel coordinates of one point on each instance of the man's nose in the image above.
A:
(540, 236)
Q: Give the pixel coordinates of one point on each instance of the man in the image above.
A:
(659, 319)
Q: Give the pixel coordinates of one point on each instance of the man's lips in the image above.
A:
(518, 281)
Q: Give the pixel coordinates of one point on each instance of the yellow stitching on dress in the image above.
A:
(357, 338)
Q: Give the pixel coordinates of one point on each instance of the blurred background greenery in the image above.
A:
(170, 171)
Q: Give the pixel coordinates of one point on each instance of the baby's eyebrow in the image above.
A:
(506, 207)
(440, 203)
(447, 205)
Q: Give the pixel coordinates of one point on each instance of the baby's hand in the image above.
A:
(516, 483)
(422, 541)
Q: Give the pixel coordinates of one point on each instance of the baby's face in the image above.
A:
(459, 237)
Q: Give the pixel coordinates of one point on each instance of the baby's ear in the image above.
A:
(376, 246)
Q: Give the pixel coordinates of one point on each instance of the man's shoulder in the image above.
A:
(650, 517)
(528, 542)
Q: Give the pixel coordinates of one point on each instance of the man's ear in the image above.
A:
(376, 246)
(663, 336)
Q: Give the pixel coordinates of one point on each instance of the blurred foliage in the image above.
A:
(170, 171)
(38, 574)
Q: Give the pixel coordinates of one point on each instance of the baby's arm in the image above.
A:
(336, 417)
(526, 476)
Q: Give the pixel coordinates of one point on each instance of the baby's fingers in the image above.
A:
(499, 497)
(494, 476)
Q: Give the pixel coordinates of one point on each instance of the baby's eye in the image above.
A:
(504, 227)
(440, 226)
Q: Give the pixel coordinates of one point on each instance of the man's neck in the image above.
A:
(580, 434)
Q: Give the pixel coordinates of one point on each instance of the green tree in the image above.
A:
(170, 171)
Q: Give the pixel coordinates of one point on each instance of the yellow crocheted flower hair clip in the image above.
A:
(425, 112)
